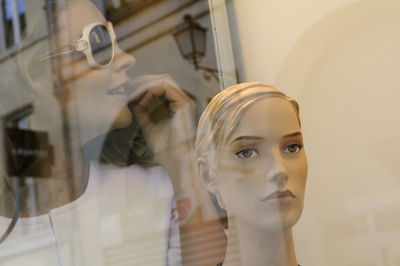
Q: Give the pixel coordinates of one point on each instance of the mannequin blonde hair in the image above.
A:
(224, 112)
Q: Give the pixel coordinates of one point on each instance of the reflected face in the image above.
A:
(261, 172)
(97, 94)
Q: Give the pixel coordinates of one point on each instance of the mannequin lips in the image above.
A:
(120, 89)
(285, 196)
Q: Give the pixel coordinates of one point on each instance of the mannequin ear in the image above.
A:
(207, 179)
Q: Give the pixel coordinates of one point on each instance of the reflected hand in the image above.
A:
(166, 117)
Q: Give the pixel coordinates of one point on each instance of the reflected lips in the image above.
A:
(285, 196)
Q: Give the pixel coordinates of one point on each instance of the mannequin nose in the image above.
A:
(123, 61)
(277, 173)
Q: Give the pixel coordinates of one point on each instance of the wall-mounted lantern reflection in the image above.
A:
(191, 40)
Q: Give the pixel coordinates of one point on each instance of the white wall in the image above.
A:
(340, 60)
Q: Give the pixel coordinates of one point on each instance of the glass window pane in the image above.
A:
(97, 158)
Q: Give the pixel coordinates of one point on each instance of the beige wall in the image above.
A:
(340, 59)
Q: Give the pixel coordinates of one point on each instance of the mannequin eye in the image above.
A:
(247, 153)
(292, 148)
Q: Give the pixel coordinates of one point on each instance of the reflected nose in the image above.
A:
(123, 62)
(277, 173)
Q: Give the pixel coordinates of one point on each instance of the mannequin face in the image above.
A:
(260, 174)
(92, 96)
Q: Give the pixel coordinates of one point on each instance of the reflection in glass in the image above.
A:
(100, 146)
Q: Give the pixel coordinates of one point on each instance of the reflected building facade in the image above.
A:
(37, 102)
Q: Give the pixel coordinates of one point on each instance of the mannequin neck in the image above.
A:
(258, 246)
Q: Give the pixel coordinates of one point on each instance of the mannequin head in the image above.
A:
(70, 91)
(93, 95)
(250, 154)
(97, 90)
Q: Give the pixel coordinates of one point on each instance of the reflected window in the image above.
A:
(117, 10)
(29, 156)
(14, 21)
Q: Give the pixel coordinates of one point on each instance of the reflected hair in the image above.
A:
(223, 113)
